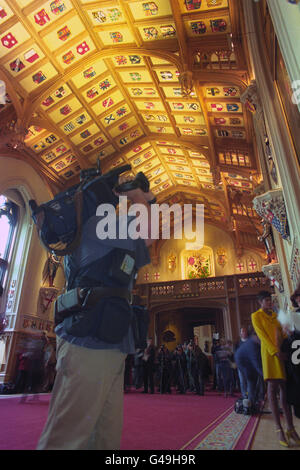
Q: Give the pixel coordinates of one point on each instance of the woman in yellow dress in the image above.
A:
(271, 335)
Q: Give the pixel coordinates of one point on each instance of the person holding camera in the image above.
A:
(86, 407)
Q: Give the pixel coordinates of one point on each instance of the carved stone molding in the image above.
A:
(271, 207)
(13, 135)
(251, 99)
(295, 264)
(216, 175)
(273, 272)
(186, 83)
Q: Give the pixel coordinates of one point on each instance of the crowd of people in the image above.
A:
(186, 369)
(256, 367)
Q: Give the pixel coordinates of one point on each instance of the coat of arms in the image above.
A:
(135, 59)
(63, 33)
(116, 36)
(213, 91)
(198, 27)
(16, 65)
(3, 13)
(150, 8)
(68, 57)
(89, 73)
(85, 134)
(31, 56)
(9, 41)
(151, 33)
(230, 91)
(168, 31)
(38, 77)
(192, 4)
(221, 257)
(218, 26)
(41, 18)
(105, 84)
(92, 93)
(82, 48)
(57, 7)
(220, 121)
(172, 262)
(60, 92)
(232, 108)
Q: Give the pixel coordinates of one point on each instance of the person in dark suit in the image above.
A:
(180, 369)
(203, 368)
(148, 360)
(248, 361)
(165, 369)
(244, 336)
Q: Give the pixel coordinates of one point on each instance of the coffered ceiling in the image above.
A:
(153, 84)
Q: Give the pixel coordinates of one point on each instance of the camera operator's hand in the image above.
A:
(149, 196)
(135, 195)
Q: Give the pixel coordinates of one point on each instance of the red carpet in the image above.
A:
(151, 422)
(168, 422)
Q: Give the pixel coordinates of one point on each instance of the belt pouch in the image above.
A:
(108, 321)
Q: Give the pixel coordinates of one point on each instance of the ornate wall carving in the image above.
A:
(273, 272)
(295, 264)
(271, 207)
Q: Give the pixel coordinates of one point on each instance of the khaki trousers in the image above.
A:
(86, 407)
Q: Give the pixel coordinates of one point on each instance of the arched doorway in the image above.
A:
(204, 323)
(182, 322)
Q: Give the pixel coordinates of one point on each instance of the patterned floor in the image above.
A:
(226, 435)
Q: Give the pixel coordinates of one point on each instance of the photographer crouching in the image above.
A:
(86, 407)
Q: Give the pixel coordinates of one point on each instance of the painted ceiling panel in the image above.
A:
(105, 77)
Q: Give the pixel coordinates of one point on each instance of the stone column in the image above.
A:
(286, 20)
(280, 144)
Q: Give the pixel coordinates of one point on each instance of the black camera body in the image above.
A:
(60, 220)
(140, 181)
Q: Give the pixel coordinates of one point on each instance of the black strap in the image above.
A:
(94, 294)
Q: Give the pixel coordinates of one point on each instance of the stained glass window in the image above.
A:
(8, 223)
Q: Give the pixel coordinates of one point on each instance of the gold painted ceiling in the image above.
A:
(112, 79)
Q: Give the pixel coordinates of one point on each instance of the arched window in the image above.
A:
(8, 224)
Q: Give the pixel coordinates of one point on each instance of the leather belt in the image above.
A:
(94, 294)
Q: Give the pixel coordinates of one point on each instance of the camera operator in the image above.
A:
(86, 408)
